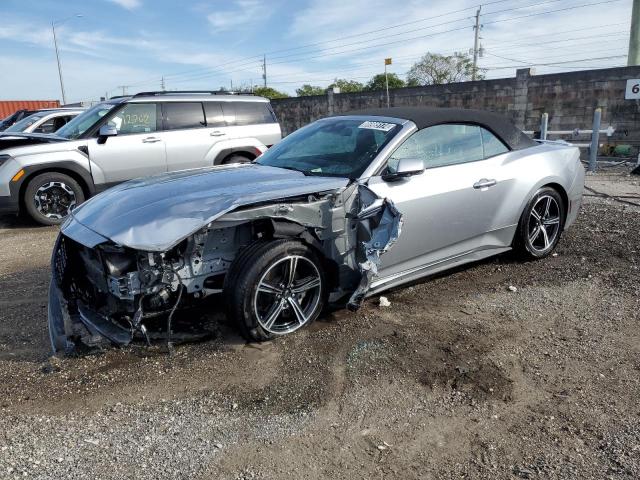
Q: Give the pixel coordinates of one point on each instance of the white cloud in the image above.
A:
(244, 12)
(128, 4)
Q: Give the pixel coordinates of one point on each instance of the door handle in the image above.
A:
(151, 140)
(217, 134)
(484, 183)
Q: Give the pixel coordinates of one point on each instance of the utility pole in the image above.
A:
(162, 86)
(264, 70)
(476, 43)
(55, 43)
(634, 39)
(124, 89)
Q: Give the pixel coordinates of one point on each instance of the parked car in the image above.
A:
(309, 222)
(15, 117)
(44, 121)
(125, 138)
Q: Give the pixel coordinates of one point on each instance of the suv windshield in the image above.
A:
(25, 122)
(85, 120)
(336, 147)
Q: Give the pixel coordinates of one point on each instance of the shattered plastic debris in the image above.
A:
(382, 239)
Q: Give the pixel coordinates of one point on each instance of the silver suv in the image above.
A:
(130, 137)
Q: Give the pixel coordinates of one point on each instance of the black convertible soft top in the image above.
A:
(425, 117)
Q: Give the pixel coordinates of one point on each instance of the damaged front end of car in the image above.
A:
(103, 292)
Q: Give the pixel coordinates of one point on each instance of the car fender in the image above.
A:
(74, 162)
(535, 168)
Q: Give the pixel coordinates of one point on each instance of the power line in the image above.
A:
(557, 63)
(305, 56)
(246, 62)
(337, 39)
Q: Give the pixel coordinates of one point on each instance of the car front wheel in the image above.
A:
(50, 197)
(274, 288)
(541, 224)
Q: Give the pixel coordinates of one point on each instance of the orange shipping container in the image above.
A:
(7, 107)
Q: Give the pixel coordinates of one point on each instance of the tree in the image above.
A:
(308, 90)
(269, 92)
(377, 82)
(347, 86)
(435, 69)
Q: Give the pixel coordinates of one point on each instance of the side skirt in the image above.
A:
(416, 273)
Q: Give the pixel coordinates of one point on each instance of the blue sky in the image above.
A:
(208, 44)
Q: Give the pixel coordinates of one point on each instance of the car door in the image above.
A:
(136, 151)
(448, 209)
(187, 137)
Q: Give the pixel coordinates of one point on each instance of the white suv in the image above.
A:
(130, 137)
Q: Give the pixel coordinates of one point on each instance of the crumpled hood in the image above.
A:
(156, 213)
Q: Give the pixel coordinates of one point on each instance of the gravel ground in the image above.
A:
(460, 377)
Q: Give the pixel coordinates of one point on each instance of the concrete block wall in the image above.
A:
(568, 98)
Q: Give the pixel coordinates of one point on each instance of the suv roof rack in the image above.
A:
(186, 92)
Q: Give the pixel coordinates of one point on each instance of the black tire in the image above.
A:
(537, 237)
(62, 191)
(235, 159)
(268, 262)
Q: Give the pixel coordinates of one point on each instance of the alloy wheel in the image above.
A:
(55, 200)
(544, 223)
(288, 295)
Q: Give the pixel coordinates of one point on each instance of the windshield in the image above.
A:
(25, 123)
(84, 121)
(335, 147)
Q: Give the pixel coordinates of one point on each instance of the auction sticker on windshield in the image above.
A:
(385, 127)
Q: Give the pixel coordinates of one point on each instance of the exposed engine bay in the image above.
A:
(107, 293)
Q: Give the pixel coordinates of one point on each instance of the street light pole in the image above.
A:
(55, 44)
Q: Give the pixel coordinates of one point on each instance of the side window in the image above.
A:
(183, 115)
(441, 145)
(491, 144)
(247, 113)
(136, 118)
(213, 112)
(46, 127)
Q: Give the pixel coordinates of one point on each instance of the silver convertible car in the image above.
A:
(343, 208)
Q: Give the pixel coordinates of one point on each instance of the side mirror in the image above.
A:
(406, 168)
(105, 132)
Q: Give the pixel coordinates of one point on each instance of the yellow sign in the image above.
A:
(387, 61)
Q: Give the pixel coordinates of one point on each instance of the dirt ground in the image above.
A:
(461, 377)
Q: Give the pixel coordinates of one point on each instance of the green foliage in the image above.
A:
(308, 90)
(436, 69)
(377, 82)
(347, 86)
(270, 93)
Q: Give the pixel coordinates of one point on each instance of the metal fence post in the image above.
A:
(595, 140)
(544, 123)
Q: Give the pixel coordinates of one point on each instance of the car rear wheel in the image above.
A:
(274, 288)
(540, 225)
(50, 196)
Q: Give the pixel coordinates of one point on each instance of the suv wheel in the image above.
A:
(50, 196)
(274, 288)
